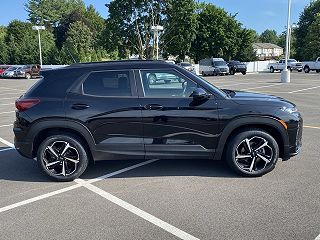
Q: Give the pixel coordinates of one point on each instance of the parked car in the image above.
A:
(187, 66)
(213, 66)
(27, 71)
(9, 73)
(279, 66)
(109, 110)
(237, 67)
(170, 61)
(3, 68)
(311, 66)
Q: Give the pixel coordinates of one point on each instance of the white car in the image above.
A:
(279, 66)
(311, 66)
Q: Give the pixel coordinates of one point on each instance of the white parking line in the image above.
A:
(11, 88)
(9, 93)
(137, 211)
(5, 104)
(34, 199)
(8, 125)
(6, 149)
(313, 127)
(8, 98)
(317, 238)
(7, 112)
(305, 89)
(266, 86)
(9, 144)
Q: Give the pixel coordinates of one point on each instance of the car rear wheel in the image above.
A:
(244, 73)
(28, 75)
(306, 69)
(271, 69)
(62, 157)
(252, 153)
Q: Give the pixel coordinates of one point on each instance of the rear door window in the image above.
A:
(108, 83)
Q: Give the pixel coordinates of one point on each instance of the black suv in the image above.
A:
(237, 67)
(110, 110)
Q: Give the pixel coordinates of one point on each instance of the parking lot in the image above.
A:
(167, 199)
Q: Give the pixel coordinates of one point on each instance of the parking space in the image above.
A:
(167, 199)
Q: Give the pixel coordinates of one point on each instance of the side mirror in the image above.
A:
(199, 94)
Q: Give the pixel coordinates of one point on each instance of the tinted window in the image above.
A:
(109, 83)
(166, 84)
(219, 63)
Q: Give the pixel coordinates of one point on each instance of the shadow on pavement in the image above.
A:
(14, 167)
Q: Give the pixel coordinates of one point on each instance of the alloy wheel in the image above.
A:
(254, 154)
(60, 158)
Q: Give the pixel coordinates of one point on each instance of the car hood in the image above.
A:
(251, 98)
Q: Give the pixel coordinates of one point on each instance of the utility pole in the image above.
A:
(38, 28)
(285, 74)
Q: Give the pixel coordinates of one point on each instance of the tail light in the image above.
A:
(25, 104)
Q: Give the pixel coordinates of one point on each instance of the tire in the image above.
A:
(152, 78)
(64, 170)
(306, 69)
(318, 70)
(203, 75)
(28, 76)
(300, 70)
(271, 69)
(232, 72)
(240, 159)
(244, 73)
(290, 69)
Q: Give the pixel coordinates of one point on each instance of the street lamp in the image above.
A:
(38, 28)
(156, 30)
(292, 26)
(285, 74)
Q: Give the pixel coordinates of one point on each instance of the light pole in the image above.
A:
(285, 74)
(292, 26)
(38, 28)
(156, 30)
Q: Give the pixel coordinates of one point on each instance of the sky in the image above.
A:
(255, 14)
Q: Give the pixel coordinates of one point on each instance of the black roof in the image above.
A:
(122, 64)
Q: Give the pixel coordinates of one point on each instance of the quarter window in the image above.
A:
(166, 84)
(109, 83)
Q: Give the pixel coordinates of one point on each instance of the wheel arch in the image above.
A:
(268, 124)
(43, 129)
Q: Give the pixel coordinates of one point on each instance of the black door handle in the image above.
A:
(80, 106)
(153, 107)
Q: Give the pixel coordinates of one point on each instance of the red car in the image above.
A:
(3, 68)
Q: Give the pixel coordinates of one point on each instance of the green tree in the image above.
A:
(269, 36)
(80, 41)
(312, 39)
(4, 53)
(23, 46)
(129, 25)
(306, 33)
(245, 51)
(180, 27)
(218, 34)
(51, 12)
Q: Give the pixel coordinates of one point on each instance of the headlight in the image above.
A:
(289, 109)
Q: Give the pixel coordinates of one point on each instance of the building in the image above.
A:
(267, 51)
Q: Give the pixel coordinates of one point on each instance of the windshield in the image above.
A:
(12, 68)
(219, 63)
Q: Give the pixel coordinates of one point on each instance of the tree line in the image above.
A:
(77, 33)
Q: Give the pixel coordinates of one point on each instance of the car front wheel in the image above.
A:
(62, 157)
(252, 153)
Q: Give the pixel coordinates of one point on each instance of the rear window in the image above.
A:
(108, 83)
